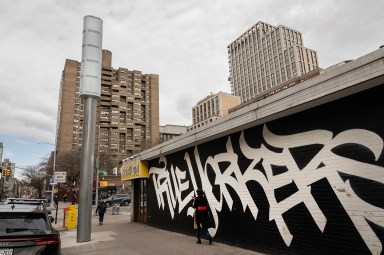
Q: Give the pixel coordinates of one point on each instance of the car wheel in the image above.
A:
(126, 203)
(108, 204)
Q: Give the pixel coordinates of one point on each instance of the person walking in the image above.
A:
(203, 221)
(65, 198)
(73, 198)
(101, 209)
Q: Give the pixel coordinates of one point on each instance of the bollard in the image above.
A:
(115, 209)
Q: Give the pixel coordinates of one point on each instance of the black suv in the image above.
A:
(25, 228)
(122, 199)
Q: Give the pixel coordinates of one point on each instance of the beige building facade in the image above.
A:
(127, 112)
(265, 56)
(211, 108)
(169, 131)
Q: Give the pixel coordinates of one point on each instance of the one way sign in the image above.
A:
(60, 177)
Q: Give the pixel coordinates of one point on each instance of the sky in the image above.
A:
(183, 41)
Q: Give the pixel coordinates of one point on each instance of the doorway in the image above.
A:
(140, 200)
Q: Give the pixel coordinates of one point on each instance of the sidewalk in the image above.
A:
(118, 235)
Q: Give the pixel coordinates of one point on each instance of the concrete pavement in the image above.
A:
(118, 235)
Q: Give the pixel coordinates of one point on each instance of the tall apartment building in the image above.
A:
(1, 152)
(127, 112)
(211, 108)
(265, 56)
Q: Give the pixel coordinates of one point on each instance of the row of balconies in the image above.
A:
(106, 82)
(128, 143)
(104, 122)
(125, 115)
(105, 72)
(105, 101)
(107, 95)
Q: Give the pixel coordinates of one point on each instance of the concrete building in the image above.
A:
(127, 112)
(1, 152)
(168, 132)
(279, 88)
(211, 108)
(265, 56)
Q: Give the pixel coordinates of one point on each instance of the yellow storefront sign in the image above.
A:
(133, 170)
(103, 184)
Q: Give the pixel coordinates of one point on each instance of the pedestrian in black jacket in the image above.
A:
(203, 220)
(101, 209)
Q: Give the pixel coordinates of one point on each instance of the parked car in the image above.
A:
(25, 228)
(122, 199)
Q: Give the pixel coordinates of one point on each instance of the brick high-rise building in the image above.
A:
(1, 152)
(127, 112)
(265, 56)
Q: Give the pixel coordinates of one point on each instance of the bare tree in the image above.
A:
(106, 162)
(36, 175)
(47, 164)
(69, 162)
(24, 187)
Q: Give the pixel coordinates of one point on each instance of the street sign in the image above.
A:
(60, 177)
(52, 181)
(103, 172)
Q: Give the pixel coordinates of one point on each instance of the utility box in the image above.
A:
(70, 217)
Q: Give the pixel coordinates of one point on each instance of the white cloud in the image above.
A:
(182, 41)
(21, 142)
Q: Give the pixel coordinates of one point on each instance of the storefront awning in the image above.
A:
(133, 170)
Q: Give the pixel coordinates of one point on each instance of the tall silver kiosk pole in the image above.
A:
(90, 85)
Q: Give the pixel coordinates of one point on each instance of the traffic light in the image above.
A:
(7, 172)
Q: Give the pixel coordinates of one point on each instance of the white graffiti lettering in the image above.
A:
(163, 184)
(325, 164)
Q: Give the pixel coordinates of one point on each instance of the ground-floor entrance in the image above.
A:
(140, 200)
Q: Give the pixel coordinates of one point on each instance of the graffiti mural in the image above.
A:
(325, 164)
(308, 183)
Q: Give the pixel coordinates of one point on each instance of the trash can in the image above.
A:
(115, 209)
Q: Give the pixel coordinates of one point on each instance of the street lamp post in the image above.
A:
(90, 89)
(97, 167)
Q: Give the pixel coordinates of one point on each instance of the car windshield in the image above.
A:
(19, 222)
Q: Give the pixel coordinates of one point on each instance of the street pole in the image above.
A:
(97, 167)
(90, 88)
(57, 209)
(1, 187)
(53, 170)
